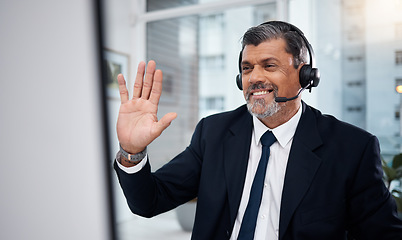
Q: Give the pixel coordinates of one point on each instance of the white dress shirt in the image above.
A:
(267, 226)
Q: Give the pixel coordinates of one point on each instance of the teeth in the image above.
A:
(260, 93)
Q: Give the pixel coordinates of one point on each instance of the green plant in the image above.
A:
(394, 173)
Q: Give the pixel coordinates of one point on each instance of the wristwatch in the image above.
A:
(130, 158)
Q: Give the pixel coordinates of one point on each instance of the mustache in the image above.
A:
(260, 85)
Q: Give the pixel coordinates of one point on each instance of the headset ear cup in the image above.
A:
(239, 81)
(316, 76)
(308, 75)
(304, 75)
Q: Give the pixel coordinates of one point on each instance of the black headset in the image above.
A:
(309, 76)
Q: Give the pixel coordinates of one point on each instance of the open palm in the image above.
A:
(137, 123)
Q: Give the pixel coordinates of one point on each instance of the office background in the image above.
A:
(55, 152)
(358, 48)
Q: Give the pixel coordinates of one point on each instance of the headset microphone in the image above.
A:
(285, 99)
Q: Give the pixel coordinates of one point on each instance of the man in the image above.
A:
(323, 179)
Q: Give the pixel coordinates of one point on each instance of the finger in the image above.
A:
(138, 80)
(164, 122)
(156, 87)
(122, 88)
(149, 77)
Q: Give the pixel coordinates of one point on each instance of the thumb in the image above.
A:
(165, 121)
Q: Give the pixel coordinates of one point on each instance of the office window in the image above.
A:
(355, 83)
(354, 108)
(355, 33)
(355, 58)
(398, 30)
(398, 57)
(214, 21)
(398, 85)
(216, 103)
(154, 5)
(210, 63)
(211, 48)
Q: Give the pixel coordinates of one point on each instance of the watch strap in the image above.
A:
(133, 158)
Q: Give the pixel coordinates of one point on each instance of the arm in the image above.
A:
(149, 194)
(373, 210)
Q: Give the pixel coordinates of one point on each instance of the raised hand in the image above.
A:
(137, 123)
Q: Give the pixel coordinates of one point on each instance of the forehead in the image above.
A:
(272, 47)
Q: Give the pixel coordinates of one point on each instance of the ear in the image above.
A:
(300, 66)
(300, 73)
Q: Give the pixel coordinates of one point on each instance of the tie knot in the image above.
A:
(268, 138)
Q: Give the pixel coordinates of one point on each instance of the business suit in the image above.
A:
(333, 180)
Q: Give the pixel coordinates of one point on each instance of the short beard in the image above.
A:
(268, 110)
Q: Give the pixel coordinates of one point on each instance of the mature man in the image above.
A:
(275, 168)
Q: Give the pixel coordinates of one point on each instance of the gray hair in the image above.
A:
(295, 44)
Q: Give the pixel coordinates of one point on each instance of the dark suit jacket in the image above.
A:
(333, 182)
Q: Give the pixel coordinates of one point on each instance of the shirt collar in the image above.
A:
(283, 133)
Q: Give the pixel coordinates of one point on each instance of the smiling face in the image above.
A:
(267, 72)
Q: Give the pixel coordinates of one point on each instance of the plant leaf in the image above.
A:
(397, 161)
(398, 201)
(389, 172)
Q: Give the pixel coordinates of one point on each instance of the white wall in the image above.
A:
(52, 181)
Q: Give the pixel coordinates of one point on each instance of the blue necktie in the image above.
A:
(250, 216)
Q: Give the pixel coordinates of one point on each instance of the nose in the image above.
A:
(257, 75)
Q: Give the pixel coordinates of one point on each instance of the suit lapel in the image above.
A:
(236, 149)
(301, 169)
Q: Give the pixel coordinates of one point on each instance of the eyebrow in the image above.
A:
(245, 62)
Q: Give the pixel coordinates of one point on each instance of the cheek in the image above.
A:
(245, 92)
(288, 86)
(290, 79)
(296, 81)
(291, 86)
(245, 83)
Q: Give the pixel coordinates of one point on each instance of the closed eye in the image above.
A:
(245, 68)
(271, 67)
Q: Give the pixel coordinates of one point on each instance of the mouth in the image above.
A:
(261, 92)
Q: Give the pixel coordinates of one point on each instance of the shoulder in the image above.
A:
(337, 143)
(222, 123)
(331, 127)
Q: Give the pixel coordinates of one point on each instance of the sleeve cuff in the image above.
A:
(133, 169)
